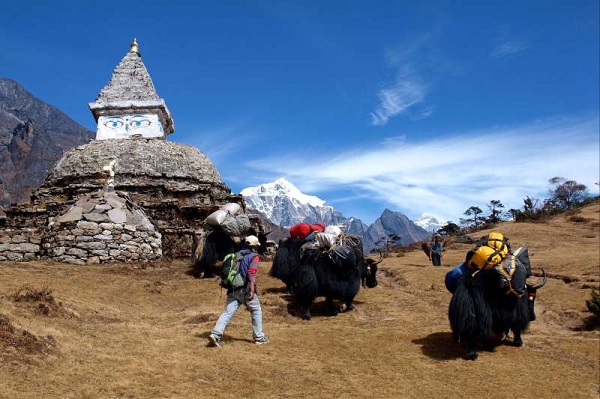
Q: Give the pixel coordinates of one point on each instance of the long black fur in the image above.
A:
(316, 274)
(481, 309)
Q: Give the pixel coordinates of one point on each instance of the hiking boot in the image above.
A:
(214, 340)
(262, 341)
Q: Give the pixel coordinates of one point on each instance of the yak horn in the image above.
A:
(540, 285)
(376, 262)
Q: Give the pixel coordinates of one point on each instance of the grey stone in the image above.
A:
(129, 227)
(77, 252)
(117, 216)
(104, 237)
(95, 217)
(30, 256)
(74, 214)
(58, 251)
(87, 225)
(18, 238)
(27, 247)
(14, 256)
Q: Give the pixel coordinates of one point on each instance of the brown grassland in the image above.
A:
(135, 331)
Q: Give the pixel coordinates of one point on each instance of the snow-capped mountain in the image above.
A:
(428, 223)
(285, 205)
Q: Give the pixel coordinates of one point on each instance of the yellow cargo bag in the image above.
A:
(492, 250)
(499, 242)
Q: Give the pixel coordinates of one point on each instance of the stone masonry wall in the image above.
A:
(20, 244)
(88, 242)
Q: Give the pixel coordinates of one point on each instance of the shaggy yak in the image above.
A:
(486, 305)
(335, 274)
(213, 245)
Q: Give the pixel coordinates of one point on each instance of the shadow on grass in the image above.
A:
(590, 323)
(441, 346)
(318, 308)
(225, 339)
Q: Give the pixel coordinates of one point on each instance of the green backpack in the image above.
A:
(231, 276)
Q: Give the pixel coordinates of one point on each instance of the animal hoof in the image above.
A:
(306, 317)
(518, 343)
(472, 356)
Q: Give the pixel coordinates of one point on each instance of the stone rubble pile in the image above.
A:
(102, 227)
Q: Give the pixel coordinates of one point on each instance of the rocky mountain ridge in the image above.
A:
(33, 136)
(284, 204)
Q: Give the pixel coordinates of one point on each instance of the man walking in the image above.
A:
(247, 295)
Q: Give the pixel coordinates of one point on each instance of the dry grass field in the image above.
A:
(133, 331)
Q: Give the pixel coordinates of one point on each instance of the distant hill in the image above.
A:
(33, 136)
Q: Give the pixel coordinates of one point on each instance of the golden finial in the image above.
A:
(134, 46)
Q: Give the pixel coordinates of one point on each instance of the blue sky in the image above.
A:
(418, 107)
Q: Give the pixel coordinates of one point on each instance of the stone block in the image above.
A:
(95, 217)
(104, 237)
(107, 226)
(27, 247)
(117, 216)
(19, 238)
(74, 214)
(84, 225)
(80, 253)
(14, 256)
(58, 251)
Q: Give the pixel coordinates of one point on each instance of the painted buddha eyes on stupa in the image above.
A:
(114, 123)
(134, 122)
(139, 121)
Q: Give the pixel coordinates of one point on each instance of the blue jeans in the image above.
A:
(232, 306)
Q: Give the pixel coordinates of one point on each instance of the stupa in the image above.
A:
(173, 185)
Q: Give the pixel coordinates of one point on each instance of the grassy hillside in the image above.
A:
(128, 331)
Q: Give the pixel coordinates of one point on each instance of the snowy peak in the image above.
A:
(283, 204)
(282, 187)
(428, 223)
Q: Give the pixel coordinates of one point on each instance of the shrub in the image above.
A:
(593, 304)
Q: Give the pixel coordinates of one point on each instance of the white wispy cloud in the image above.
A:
(506, 44)
(395, 100)
(447, 175)
(507, 49)
(417, 65)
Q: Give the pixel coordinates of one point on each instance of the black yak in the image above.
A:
(487, 303)
(335, 273)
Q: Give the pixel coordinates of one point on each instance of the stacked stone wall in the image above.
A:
(88, 242)
(21, 244)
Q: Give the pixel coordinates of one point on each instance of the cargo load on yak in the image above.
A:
(491, 250)
(302, 230)
(230, 220)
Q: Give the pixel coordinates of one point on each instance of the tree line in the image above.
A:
(563, 195)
